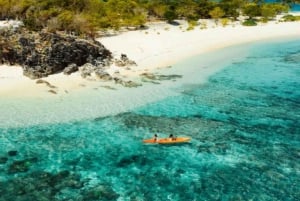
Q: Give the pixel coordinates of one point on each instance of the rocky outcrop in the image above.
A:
(71, 68)
(124, 61)
(125, 83)
(103, 75)
(42, 54)
(86, 70)
(156, 78)
(46, 83)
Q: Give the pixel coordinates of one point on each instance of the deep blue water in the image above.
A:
(245, 129)
(296, 7)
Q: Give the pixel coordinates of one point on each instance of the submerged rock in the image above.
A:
(64, 179)
(109, 87)
(293, 58)
(129, 83)
(21, 166)
(12, 153)
(101, 192)
(102, 75)
(52, 91)
(139, 159)
(146, 77)
(40, 185)
(3, 159)
(39, 81)
(150, 76)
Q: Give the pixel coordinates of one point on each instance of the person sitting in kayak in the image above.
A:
(172, 137)
(155, 137)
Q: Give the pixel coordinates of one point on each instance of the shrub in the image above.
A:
(250, 22)
(224, 22)
(264, 20)
(190, 28)
(203, 25)
(290, 18)
(192, 25)
(170, 15)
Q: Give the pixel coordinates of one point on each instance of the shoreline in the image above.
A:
(165, 45)
(159, 46)
(79, 99)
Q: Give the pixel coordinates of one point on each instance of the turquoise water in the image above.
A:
(296, 7)
(245, 129)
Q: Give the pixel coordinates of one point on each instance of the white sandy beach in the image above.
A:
(158, 46)
(163, 44)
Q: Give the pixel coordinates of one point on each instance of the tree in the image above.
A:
(156, 9)
(85, 25)
(251, 10)
(170, 15)
(281, 8)
(4, 9)
(216, 14)
(65, 19)
(232, 8)
(124, 13)
(204, 7)
(187, 9)
(267, 12)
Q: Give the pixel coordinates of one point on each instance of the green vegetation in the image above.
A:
(203, 25)
(291, 18)
(250, 22)
(225, 22)
(192, 24)
(269, 11)
(216, 14)
(86, 17)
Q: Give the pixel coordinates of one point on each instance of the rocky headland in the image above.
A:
(43, 53)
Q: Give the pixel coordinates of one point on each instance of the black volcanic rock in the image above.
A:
(71, 68)
(41, 53)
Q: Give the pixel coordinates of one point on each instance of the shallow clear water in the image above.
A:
(245, 129)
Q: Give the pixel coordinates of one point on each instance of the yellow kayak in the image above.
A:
(176, 140)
